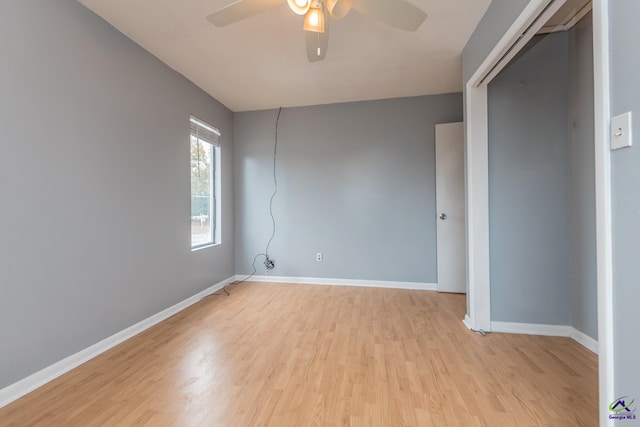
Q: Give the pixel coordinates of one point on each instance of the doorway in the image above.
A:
(477, 180)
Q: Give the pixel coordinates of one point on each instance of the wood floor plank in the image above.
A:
(297, 355)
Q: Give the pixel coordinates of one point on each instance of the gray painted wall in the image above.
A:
(357, 183)
(582, 179)
(496, 21)
(625, 96)
(94, 178)
(529, 186)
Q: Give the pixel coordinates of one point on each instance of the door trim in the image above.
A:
(477, 158)
(604, 242)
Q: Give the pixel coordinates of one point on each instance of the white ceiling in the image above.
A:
(261, 62)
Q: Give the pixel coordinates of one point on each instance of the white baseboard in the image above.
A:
(531, 329)
(40, 378)
(585, 340)
(343, 282)
(546, 330)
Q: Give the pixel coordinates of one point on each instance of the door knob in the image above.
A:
(443, 216)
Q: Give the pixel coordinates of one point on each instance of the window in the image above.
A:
(205, 184)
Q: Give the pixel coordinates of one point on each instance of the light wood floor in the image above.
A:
(288, 355)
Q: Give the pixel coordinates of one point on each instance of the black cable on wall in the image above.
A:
(268, 262)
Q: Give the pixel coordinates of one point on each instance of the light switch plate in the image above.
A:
(621, 135)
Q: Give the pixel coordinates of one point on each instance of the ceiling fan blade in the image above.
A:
(240, 10)
(397, 13)
(317, 43)
(338, 9)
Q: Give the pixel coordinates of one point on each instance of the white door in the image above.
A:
(450, 207)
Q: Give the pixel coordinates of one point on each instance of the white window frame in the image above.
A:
(209, 134)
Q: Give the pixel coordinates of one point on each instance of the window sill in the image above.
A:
(207, 246)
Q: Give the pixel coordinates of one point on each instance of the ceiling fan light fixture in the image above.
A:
(338, 9)
(299, 7)
(314, 19)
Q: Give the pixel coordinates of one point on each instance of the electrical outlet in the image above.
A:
(269, 263)
(319, 257)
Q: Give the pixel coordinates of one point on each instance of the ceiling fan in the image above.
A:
(397, 13)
